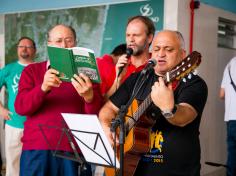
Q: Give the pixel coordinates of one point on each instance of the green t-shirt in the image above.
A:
(9, 77)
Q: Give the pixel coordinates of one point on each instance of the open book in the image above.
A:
(70, 61)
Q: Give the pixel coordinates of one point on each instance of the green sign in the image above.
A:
(117, 17)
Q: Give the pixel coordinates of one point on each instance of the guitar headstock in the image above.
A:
(186, 66)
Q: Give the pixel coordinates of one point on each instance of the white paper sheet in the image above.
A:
(87, 132)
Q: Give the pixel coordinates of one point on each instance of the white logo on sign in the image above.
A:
(146, 10)
(15, 83)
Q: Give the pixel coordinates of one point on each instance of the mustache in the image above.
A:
(138, 48)
(24, 55)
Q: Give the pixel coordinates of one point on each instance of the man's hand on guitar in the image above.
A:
(162, 95)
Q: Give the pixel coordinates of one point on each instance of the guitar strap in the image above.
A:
(175, 84)
(231, 80)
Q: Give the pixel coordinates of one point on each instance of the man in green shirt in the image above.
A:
(9, 77)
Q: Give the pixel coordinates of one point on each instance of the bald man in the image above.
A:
(176, 109)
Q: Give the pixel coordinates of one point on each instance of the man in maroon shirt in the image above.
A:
(42, 97)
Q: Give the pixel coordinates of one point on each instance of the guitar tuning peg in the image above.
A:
(195, 72)
(189, 76)
(184, 80)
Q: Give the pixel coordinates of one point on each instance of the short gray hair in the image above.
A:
(181, 39)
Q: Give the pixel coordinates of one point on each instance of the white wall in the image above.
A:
(214, 59)
(170, 14)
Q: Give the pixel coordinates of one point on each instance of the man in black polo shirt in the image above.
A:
(176, 107)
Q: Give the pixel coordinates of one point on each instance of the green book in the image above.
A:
(70, 61)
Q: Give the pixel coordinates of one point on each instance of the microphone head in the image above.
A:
(150, 64)
(152, 61)
(129, 52)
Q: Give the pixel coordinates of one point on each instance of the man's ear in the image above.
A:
(150, 39)
(183, 53)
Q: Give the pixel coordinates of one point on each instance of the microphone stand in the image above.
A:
(119, 121)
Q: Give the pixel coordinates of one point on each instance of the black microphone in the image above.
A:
(129, 52)
(150, 64)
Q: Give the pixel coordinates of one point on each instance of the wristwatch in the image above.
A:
(169, 113)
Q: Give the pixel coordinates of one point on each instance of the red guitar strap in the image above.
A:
(175, 84)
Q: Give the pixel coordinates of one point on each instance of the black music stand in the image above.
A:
(55, 149)
(85, 134)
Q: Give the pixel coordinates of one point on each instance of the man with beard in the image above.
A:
(139, 34)
(9, 77)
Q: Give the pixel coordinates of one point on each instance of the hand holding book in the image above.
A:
(83, 86)
(50, 80)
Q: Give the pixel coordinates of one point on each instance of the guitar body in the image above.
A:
(136, 142)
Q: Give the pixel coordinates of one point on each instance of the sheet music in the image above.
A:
(91, 138)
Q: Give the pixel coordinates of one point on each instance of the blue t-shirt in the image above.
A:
(9, 77)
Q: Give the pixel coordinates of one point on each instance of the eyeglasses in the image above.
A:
(27, 47)
(68, 40)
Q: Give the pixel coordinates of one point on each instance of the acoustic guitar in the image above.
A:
(138, 127)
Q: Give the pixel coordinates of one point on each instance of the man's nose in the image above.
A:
(64, 44)
(161, 53)
(131, 39)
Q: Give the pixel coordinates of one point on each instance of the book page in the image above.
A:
(85, 62)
